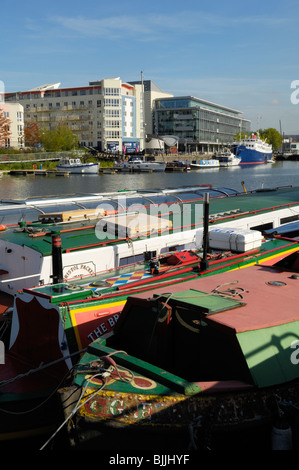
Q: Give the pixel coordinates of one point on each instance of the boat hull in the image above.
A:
(229, 162)
(205, 164)
(80, 169)
(139, 167)
(148, 412)
(251, 156)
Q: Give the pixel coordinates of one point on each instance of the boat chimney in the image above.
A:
(204, 263)
(243, 184)
(56, 259)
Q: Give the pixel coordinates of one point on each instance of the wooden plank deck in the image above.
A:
(39, 172)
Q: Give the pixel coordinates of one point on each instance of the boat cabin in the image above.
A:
(70, 161)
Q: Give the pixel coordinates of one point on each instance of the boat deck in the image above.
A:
(260, 308)
(40, 172)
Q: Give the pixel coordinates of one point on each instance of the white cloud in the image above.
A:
(144, 26)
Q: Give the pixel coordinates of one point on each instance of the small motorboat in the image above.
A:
(228, 159)
(208, 163)
(75, 165)
(137, 164)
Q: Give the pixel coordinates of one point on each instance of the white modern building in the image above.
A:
(106, 114)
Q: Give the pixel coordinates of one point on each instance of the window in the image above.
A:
(111, 102)
(112, 123)
(112, 113)
(112, 91)
(112, 134)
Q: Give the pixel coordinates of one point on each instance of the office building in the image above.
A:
(199, 125)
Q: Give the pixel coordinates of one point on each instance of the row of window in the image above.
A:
(59, 93)
(112, 91)
(112, 113)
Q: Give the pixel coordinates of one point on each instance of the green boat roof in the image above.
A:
(82, 235)
(83, 288)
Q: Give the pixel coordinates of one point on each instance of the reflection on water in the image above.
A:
(254, 177)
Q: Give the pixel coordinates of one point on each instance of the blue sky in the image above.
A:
(241, 55)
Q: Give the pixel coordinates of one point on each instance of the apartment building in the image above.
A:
(106, 114)
(15, 113)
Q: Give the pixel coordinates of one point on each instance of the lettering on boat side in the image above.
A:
(103, 327)
(2, 353)
(77, 270)
(161, 460)
(295, 354)
(143, 410)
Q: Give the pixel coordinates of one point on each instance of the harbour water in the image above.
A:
(280, 173)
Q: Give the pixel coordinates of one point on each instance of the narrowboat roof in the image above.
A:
(257, 306)
(82, 234)
(12, 210)
(269, 297)
(28, 210)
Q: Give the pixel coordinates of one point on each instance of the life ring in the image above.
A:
(3, 227)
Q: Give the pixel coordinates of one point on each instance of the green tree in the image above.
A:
(60, 138)
(240, 136)
(272, 136)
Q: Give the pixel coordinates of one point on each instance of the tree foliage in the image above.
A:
(4, 129)
(272, 136)
(60, 138)
(31, 134)
(240, 136)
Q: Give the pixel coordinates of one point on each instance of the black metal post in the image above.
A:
(204, 263)
(56, 259)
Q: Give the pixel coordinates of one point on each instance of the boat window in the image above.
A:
(262, 227)
(12, 217)
(285, 220)
(172, 248)
(30, 209)
(131, 259)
